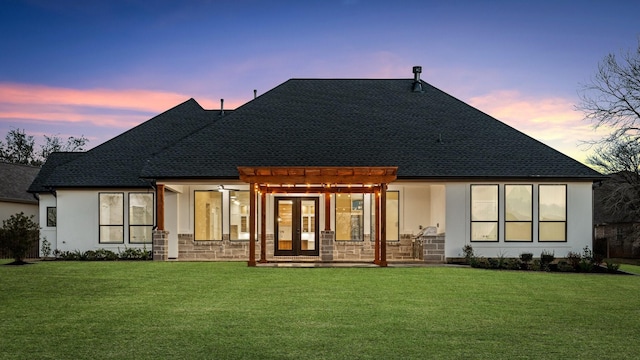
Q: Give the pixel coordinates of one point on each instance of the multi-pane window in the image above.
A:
(208, 215)
(484, 212)
(349, 216)
(239, 215)
(52, 216)
(518, 213)
(111, 218)
(393, 216)
(140, 218)
(552, 208)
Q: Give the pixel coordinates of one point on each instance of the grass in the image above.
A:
(152, 310)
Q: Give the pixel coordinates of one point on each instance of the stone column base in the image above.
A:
(326, 245)
(160, 245)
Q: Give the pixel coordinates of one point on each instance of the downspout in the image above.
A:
(152, 184)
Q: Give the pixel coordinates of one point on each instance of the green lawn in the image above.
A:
(169, 310)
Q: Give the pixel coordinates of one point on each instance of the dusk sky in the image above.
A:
(97, 68)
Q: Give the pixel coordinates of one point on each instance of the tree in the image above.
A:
(612, 101)
(20, 147)
(17, 236)
(53, 144)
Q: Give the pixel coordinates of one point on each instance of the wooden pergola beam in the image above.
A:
(318, 175)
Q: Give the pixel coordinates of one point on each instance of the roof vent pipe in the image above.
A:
(221, 106)
(417, 84)
(255, 93)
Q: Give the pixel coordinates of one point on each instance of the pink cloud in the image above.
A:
(551, 120)
(101, 107)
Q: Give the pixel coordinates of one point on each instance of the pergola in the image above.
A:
(320, 180)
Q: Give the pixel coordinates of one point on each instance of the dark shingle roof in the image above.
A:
(117, 162)
(54, 160)
(14, 181)
(363, 122)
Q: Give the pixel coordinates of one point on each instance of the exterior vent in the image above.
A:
(417, 83)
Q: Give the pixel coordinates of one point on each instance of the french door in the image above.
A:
(296, 232)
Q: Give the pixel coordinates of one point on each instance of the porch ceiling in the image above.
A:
(318, 175)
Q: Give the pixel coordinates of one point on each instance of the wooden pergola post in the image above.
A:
(263, 227)
(252, 225)
(383, 225)
(376, 250)
(160, 207)
(327, 210)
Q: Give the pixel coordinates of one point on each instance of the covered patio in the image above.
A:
(316, 180)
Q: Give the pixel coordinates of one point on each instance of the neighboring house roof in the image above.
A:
(363, 122)
(117, 162)
(14, 181)
(321, 122)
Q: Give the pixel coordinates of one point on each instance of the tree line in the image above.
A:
(20, 148)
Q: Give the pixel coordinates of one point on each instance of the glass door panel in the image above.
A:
(284, 225)
(296, 231)
(308, 220)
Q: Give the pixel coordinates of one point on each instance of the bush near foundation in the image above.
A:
(17, 235)
(573, 262)
(104, 255)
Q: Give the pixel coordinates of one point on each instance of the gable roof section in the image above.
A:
(54, 160)
(363, 122)
(117, 162)
(15, 180)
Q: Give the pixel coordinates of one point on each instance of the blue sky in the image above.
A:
(97, 68)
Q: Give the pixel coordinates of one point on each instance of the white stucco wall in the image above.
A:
(579, 223)
(444, 205)
(421, 204)
(78, 223)
(47, 232)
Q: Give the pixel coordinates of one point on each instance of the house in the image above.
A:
(14, 198)
(323, 170)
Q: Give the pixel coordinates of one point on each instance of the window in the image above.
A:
(518, 209)
(552, 225)
(239, 215)
(140, 218)
(484, 212)
(111, 218)
(208, 215)
(349, 216)
(393, 216)
(52, 215)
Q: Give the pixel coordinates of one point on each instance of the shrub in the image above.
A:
(45, 249)
(18, 233)
(467, 250)
(526, 257)
(565, 266)
(536, 265)
(546, 258)
(573, 258)
(135, 254)
(589, 262)
(481, 262)
(514, 264)
(611, 266)
(501, 261)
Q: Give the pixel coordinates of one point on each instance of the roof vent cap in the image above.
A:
(417, 84)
